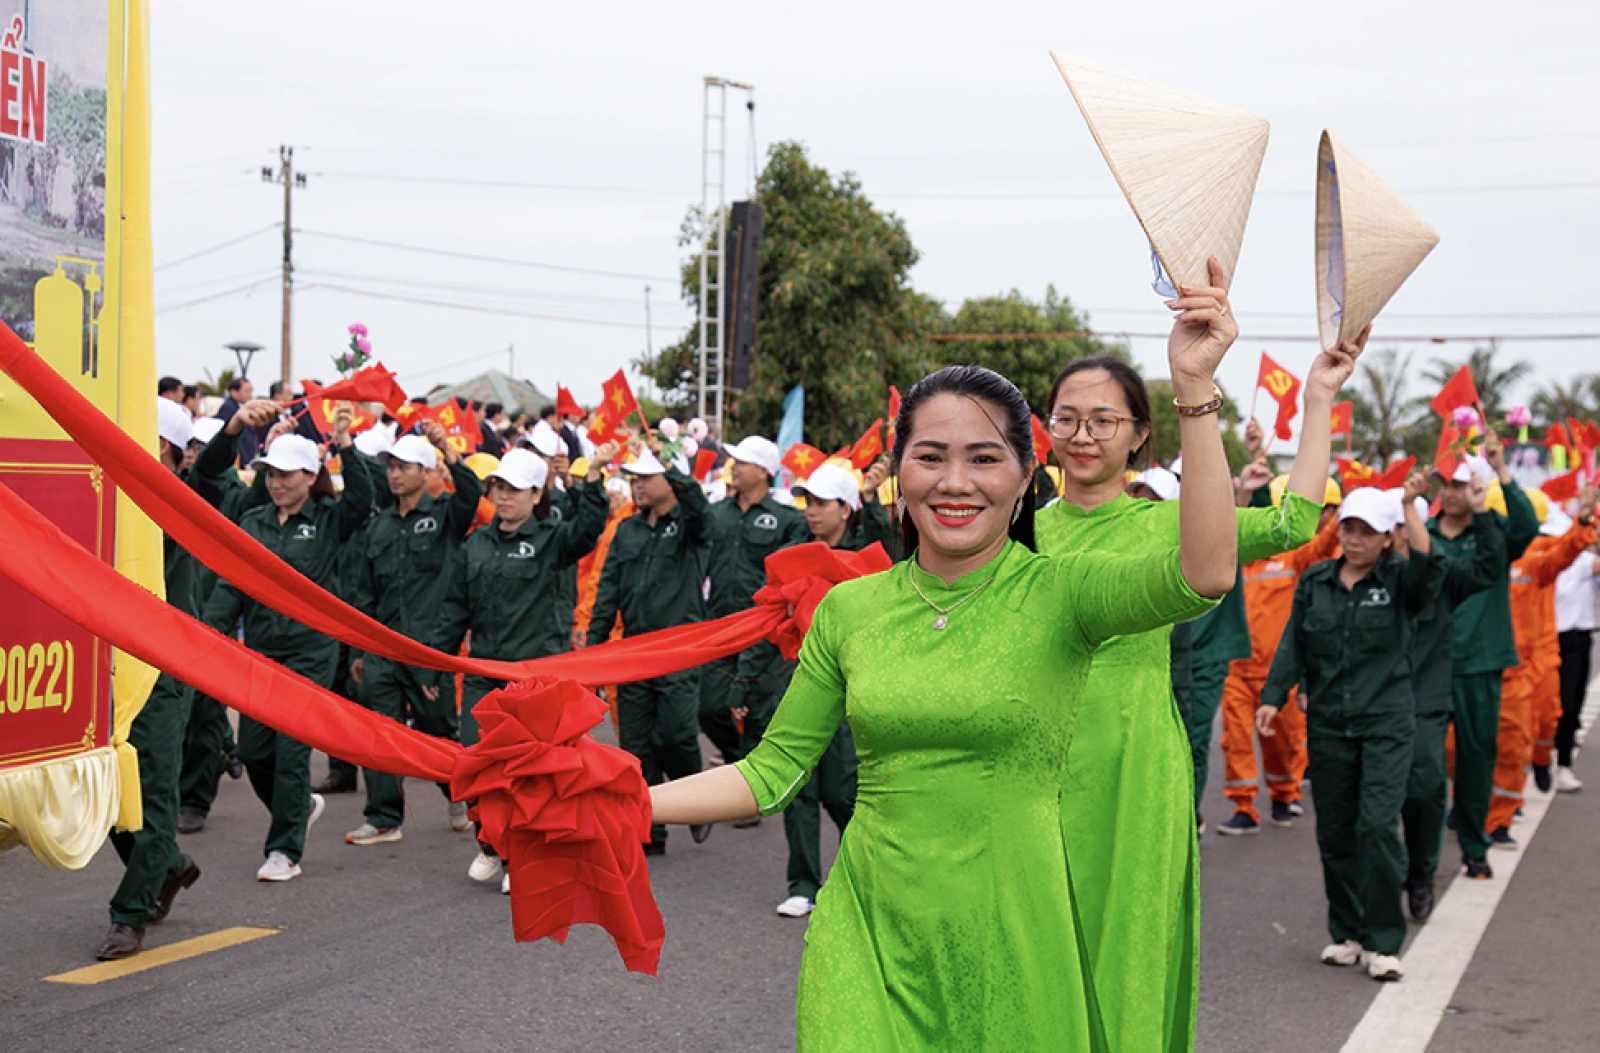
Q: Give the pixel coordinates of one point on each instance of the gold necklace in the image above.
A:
(944, 612)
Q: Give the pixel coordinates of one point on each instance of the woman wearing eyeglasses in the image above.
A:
(1128, 802)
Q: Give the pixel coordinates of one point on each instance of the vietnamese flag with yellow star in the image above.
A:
(802, 460)
(618, 398)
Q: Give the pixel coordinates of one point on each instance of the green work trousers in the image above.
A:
(716, 705)
(833, 786)
(151, 855)
(207, 742)
(394, 691)
(1359, 789)
(473, 688)
(343, 770)
(1477, 721)
(1205, 698)
(1426, 790)
(764, 676)
(279, 767)
(657, 722)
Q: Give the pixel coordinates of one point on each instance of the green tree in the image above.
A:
(215, 386)
(1165, 444)
(1032, 365)
(1557, 401)
(837, 311)
(1385, 416)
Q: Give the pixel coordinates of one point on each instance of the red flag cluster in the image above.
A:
(373, 384)
(1353, 475)
(460, 424)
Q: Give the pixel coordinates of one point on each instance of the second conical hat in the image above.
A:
(1186, 164)
(1369, 240)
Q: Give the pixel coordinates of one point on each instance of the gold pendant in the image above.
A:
(940, 622)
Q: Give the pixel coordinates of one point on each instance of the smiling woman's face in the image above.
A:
(959, 477)
(1090, 395)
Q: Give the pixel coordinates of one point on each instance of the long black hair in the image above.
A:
(1016, 424)
(1133, 390)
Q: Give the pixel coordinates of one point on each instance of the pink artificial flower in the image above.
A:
(364, 345)
(1519, 416)
(1464, 417)
(357, 329)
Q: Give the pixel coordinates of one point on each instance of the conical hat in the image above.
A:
(1368, 241)
(1187, 165)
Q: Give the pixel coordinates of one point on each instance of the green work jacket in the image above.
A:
(1483, 641)
(398, 572)
(503, 583)
(1473, 563)
(654, 575)
(1352, 647)
(741, 541)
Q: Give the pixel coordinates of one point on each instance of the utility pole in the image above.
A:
(712, 387)
(291, 181)
(511, 361)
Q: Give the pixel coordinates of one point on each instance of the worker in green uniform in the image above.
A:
(746, 527)
(652, 578)
(503, 580)
(208, 746)
(548, 443)
(295, 514)
(1482, 647)
(1348, 639)
(846, 515)
(1472, 564)
(155, 870)
(398, 576)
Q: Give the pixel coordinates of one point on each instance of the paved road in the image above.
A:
(392, 948)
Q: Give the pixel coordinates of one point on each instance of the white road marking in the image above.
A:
(1404, 1016)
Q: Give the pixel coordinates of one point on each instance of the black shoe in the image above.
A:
(235, 767)
(1238, 825)
(1420, 899)
(746, 824)
(655, 848)
(123, 941)
(187, 876)
(1501, 838)
(334, 784)
(1541, 777)
(191, 822)
(1281, 814)
(1478, 869)
(700, 831)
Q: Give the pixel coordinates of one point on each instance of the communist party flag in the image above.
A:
(1343, 417)
(373, 384)
(1284, 387)
(868, 448)
(619, 398)
(802, 460)
(459, 423)
(1041, 440)
(1353, 475)
(1458, 391)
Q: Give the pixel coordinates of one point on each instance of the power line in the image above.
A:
(512, 184)
(480, 257)
(224, 294)
(484, 309)
(216, 248)
(485, 290)
(221, 279)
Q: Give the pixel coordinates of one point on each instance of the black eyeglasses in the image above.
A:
(1101, 426)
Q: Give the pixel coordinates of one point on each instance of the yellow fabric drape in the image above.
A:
(61, 810)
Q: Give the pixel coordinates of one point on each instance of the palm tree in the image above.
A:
(217, 386)
(1557, 401)
(1383, 411)
(1494, 384)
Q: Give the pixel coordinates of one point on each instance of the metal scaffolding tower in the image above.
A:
(714, 216)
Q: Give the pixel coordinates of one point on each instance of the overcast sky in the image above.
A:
(570, 135)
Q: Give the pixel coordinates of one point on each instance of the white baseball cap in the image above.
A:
(1163, 484)
(831, 483)
(1471, 465)
(291, 453)
(1382, 510)
(544, 439)
(173, 423)
(645, 464)
(763, 453)
(412, 449)
(206, 428)
(1556, 523)
(376, 439)
(521, 470)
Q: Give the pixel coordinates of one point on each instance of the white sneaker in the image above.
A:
(484, 868)
(458, 816)
(1346, 953)
(318, 805)
(367, 834)
(505, 884)
(1384, 967)
(278, 868)
(796, 907)
(1566, 782)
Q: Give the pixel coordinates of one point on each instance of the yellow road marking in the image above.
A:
(172, 952)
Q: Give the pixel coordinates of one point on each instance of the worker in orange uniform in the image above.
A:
(1533, 618)
(1269, 586)
(589, 576)
(1547, 657)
